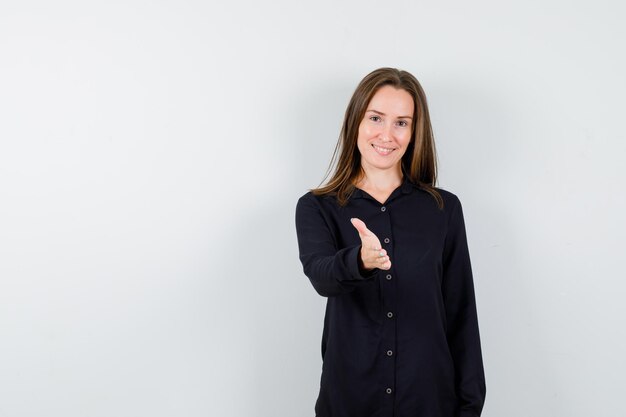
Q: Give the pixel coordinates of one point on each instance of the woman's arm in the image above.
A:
(462, 319)
(332, 271)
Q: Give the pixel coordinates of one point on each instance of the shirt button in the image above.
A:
(390, 314)
(389, 353)
(383, 208)
(388, 390)
(388, 277)
(386, 240)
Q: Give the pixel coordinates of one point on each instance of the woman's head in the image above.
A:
(418, 160)
(385, 130)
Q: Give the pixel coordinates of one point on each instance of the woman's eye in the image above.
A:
(402, 123)
(374, 118)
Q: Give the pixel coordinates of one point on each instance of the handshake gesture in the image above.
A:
(372, 253)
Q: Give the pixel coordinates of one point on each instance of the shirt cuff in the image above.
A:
(355, 265)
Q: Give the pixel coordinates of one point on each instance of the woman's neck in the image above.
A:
(380, 179)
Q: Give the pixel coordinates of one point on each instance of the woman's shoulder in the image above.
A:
(452, 204)
(312, 198)
(308, 196)
(450, 199)
(446, 194)
(324, 202)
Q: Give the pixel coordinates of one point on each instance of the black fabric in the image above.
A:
(402, 342)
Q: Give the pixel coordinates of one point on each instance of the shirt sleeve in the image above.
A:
(461, 317)
(331, 270)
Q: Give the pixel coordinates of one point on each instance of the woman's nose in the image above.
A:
(385, 134)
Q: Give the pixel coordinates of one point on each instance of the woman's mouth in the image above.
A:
(382, 151)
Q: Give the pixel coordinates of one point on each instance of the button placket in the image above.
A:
(389, 338)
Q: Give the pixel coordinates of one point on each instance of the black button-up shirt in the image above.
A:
(402, 342)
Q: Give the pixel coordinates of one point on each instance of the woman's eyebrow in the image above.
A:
(383, 114)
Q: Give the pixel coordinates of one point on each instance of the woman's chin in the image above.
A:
(382, 165)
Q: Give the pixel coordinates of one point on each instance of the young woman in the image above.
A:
(389, 251)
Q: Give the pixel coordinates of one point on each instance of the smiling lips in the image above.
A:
(382, 151)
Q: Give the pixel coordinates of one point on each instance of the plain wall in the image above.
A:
(151, 155)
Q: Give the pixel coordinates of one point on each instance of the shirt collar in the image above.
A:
(406, 187)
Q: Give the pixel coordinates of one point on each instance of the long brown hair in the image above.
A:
(419, 162)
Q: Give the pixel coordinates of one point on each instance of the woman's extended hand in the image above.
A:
(371, 248)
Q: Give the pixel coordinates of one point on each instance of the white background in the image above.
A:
(151, 155)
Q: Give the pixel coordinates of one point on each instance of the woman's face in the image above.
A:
(385, 131)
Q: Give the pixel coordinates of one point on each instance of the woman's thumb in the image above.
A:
(360, 226)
